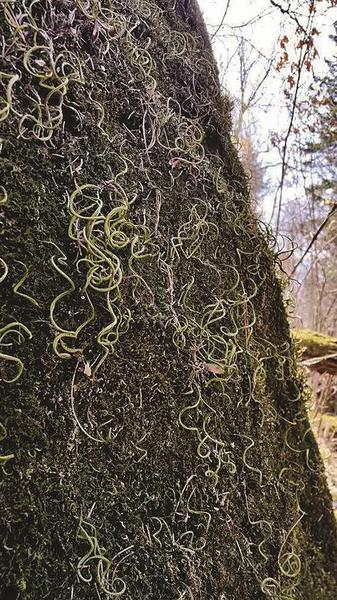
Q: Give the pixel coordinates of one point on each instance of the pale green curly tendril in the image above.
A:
(18, 331)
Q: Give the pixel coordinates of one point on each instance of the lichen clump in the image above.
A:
(155, 442)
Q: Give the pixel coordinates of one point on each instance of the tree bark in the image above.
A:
(155, 443)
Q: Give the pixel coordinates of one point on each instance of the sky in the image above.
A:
(262, 26)
(262, 23)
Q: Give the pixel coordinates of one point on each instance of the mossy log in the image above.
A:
(318, 351)
(155, 442)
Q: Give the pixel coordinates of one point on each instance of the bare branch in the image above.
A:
(319, 230)
(222, 20)
(286, 11)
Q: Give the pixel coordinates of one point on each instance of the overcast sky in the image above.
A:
(263, 26)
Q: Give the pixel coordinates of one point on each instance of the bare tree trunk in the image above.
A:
(155, 443)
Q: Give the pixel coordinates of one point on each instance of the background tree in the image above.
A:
(315, 226)
(323, 150)
(155, 437)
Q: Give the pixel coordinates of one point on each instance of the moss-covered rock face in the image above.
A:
(154, 439)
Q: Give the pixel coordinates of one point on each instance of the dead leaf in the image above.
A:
(291, 81)
(284, 41)
(215, 369)
(87, 370)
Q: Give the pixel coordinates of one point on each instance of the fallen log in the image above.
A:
(318, 351)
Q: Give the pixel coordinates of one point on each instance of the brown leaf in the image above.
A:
(284, 41)
(291, 81)
(215, 369)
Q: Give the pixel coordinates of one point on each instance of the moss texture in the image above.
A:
(315, 344)
(155, 443)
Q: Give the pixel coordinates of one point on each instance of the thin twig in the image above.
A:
(222, 20)
(319, 230)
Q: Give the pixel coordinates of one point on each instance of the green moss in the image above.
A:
(314, 344)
